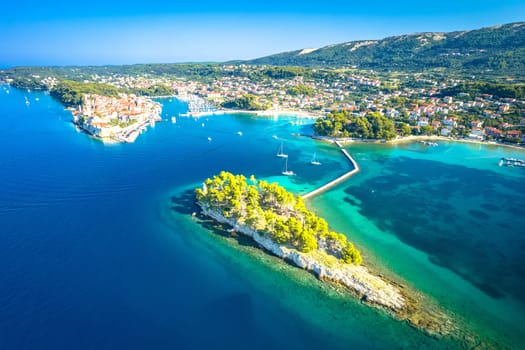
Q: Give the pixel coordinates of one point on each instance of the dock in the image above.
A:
(197, 106)
(340, 178)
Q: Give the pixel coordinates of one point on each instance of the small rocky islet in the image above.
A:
(280, 224)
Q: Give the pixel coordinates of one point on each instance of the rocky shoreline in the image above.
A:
(372, 289)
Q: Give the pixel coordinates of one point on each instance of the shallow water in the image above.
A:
(445, 219)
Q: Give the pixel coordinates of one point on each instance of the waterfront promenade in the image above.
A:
(340, 178)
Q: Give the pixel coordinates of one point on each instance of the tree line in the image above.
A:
(343, 124)
(499, 90)
(247, 102)
(70, 92)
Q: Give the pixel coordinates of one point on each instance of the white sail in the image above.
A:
(285, 170)
(314, 161)
(280, 152)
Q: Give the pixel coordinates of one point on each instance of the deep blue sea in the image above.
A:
(98, 249)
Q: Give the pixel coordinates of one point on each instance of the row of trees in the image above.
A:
(499, 90)
(342, 124)
(271, 210)
(247, 102)
(154, 90)
(301, 89)
(28, 83)
(70, 92)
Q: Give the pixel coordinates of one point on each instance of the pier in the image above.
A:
(340, 178)
(131, 133)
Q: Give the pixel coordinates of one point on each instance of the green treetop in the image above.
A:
(70, 92)
(247, 102)
(342, 124)
(274, 212)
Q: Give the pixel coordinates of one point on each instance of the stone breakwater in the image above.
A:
(369, 287)
(340, 178)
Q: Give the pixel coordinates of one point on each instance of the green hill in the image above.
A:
(499, 49)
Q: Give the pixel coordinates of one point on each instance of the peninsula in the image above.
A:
(116, 119)
(280, 223)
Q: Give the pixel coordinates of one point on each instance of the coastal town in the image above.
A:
(418, 101)
(418, 104)
(116, 119)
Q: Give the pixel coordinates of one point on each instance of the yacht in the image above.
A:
(280, 152)
(285, 170)
(314, 161)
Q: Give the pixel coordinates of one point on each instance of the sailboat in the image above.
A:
(285, 170)
(314, 161)
(280, 152)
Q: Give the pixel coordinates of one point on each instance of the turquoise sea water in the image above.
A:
(450, 222)
(99, 249)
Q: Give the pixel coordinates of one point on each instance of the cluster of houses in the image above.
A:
(442, 116)
(462, 115)
(117, 119)
(273, 92)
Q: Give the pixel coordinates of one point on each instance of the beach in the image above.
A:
(415, 138)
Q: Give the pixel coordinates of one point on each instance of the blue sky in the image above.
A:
(121, 32)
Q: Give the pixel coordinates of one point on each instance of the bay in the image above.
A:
(97, 251)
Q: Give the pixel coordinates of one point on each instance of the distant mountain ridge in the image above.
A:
(500, 49)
